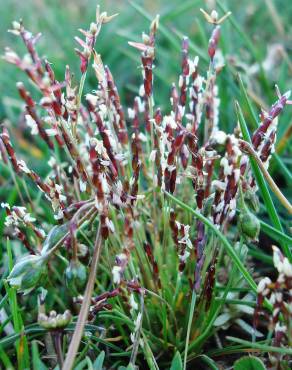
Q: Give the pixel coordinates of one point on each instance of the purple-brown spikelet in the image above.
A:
(278, 294)
(118, 110)
(10, 151)
(213, 42)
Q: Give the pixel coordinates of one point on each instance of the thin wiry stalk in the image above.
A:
(78, 332)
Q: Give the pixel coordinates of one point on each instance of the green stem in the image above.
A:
(191, 314)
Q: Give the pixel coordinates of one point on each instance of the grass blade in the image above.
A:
(262, 347)
(275, 234)
(191, 314)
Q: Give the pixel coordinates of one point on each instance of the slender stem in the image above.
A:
(75, 341)
(57, 340)
(250, 151)
(191, 314)
(137, 336)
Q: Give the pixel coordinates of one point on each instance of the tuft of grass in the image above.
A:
(164, 188)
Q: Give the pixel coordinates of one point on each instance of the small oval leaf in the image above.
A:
(249, 363)
(55, 234)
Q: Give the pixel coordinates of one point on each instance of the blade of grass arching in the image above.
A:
(241, 33)
(259, 255)
(249, 45)
(5, 360)
(261, 182)
(275, 234)
(3, 300)
(282, 167)
(237, 301)
(179, 9)
(5, 322)
(150, 358)
(21, 344)
(228, 247)
(191, 314)
(36, 360)
(255, 125)
(261, 347)
(208, 361)
(202, 34)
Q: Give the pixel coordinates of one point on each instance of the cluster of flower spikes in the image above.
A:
(279, 295)
(95, 139)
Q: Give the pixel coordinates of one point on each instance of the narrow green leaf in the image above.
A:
(3, 300)
(261, 347)
(191, 314)
(211, 363)
(36, 360)
(5, 360)
(275, 234)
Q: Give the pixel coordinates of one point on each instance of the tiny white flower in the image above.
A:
(27, 218)
(131, 113)
(142, 137)
(31, 123)
(110, 224)
(263, 284)
(220, 137)
(137, 322)
(23, 166)
(116, 271)
(152, 155)
(82, 186)
(59, 215)
(219, 185)
(280, 328)
(287, 268)
(5, 205)
(185, 256)
(141, 91)
(93, 99)
(133, 303)
(51, 132)
(52, 162)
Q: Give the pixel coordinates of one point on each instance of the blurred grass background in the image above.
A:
(255, 27)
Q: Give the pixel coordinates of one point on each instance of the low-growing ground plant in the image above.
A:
(145, 261)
